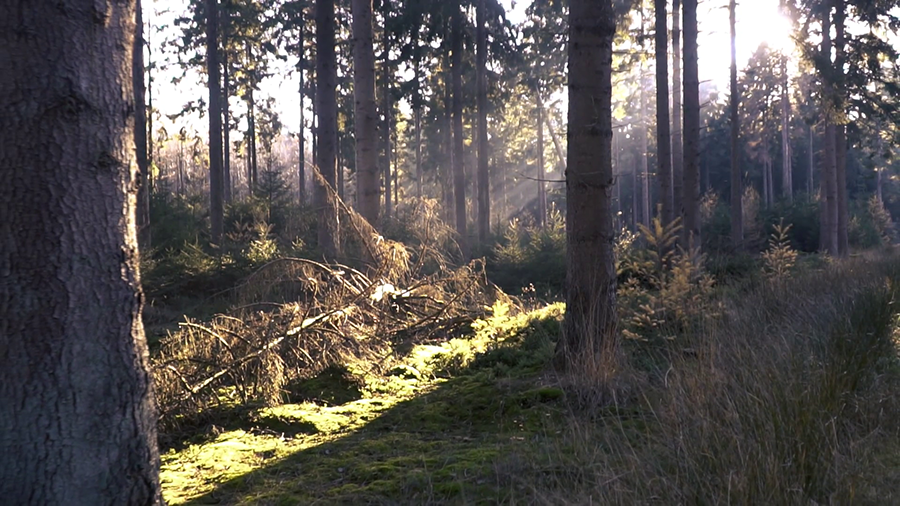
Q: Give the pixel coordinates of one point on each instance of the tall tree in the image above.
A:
(787, 176)
(365, 113)
(484, 179)
(388, 109)
(840, 131)
(326, 133)
(677, 132)
(216, 179)
(542, 186)
(140, 131)
(663, 140)
(590, 343)
(77, 412)
(828, 185)
(459, 167)
(737, 190)
(691, 127)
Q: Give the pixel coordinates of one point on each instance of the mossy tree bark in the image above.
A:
(77, 415)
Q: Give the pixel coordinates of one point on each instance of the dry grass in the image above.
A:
(786, 399)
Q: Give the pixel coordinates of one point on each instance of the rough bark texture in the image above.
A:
(677, 132)
(589, 342)
(77, 415)
(365, 113)
(388, 110)
(663, 139)
(691, 127)
(829, 214)
(216, 180)
(326, 74)
(459, 164)
(140, 132)
(737, 187)
(484, 180)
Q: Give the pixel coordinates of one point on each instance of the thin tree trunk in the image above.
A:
(459, 168)
(737, 187)
(326, 76)
(78, 417)
(677, 126)
(589, 344)
(216, 182)
(386, 173)
(812, 162)
(643, 134)
(787, 177)
(663, 139)
(840, 141)
(691, 127)
(418, 123)
(635, 193)
(301, 166)
(226, 112)
(365, 113)
(557, 145)
(140, 133)
(484, 179)
(829, 234)
(542, 190)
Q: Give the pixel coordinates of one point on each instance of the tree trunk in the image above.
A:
(388, 112)
(484, 178)
(542, 189)
(677, 126)
(301, 165)
(737, 187)
(829, 233)
(663, 139)
(251, 144)
(140, 132)
(459, 168)
(691, 128)
(326, 76)
(418, 125)
(226, 112)
(216, 182)
(78, 417)
(840, 140)
(812, 162)
(557, 145)
(787, 176)
(365, 113)
(589, 344)
(643, 134)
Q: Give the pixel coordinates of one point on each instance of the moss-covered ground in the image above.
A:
(432, 428)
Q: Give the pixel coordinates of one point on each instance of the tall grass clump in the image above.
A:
(787, 397)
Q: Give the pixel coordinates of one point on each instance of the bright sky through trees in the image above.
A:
(757, 21)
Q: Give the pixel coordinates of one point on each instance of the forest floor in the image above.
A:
(763, 406)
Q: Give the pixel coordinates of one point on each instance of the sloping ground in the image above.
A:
(785, 396)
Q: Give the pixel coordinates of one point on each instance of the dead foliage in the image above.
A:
(294, 317)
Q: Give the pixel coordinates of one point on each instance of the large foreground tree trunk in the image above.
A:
(365, 113)
(691, 127)
(589, 344)
(663, 141)
(737, 187)
(77, 415)
(326, 133)
(216, 179)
